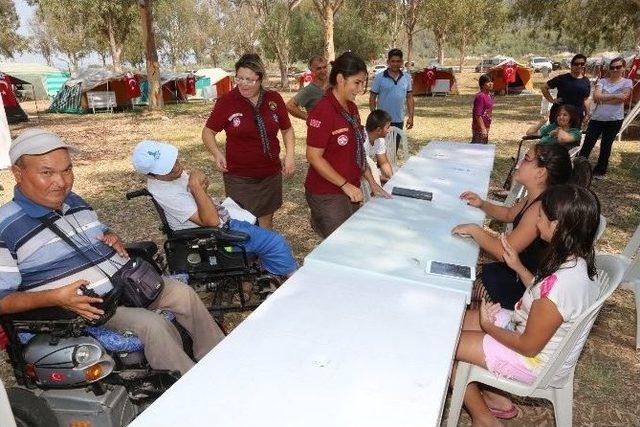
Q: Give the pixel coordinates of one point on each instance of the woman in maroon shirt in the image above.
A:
(335, 148)
(251, 117)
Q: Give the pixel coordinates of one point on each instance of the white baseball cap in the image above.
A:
(35, 142)
(154, 157)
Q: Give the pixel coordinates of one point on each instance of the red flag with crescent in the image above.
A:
(133, 88)
(509, 73)
(8, 97)
(635, 69)
(191, 84)
(430, 76)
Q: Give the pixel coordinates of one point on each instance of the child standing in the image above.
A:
(482, 109)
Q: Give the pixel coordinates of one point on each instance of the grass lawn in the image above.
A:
(608, 372)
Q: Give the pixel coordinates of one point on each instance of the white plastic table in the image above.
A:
(332, 347)
(463, 154)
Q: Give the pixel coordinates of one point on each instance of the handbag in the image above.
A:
(137, 282)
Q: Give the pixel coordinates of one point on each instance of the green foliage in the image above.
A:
(306, 34)
(10, 41)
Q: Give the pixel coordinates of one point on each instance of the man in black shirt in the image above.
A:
(573, 88)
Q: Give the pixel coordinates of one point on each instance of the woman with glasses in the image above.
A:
(335, 148)
(251, 117)
(573, 89)
(610, 95)
(543, 167)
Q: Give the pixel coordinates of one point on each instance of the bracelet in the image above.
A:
(345, 183)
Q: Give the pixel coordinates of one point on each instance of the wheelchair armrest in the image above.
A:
(145, 249)
(221, 235)
(530, 137)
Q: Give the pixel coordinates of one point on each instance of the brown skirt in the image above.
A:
(329, 211)
(260, 196)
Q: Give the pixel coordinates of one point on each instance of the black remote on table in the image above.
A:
(415, 194)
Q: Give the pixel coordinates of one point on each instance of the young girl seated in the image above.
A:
(565, 131)
(517, 344)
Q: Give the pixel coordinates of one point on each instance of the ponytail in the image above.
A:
(560, 170)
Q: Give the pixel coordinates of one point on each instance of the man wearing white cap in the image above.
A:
(40, 270)
(186, 204)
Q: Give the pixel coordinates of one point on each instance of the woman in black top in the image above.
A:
(573, 89)
(542, 167)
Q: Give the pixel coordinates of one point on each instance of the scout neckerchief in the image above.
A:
(360, 138)
(262, 128)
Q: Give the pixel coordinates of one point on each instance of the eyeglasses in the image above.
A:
(616, 67)
(242, 80)
(579, 64)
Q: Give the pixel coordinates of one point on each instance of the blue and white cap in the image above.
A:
(154, 157)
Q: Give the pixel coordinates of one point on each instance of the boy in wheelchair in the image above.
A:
(183, 197)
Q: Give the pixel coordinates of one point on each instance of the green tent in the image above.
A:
(41, 81)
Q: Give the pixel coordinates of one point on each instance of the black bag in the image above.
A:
(137, 283)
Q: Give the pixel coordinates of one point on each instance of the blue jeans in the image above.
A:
(272, 249)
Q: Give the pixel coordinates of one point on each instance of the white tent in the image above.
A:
(214, 75)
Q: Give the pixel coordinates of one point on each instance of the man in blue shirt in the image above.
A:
(391, 90)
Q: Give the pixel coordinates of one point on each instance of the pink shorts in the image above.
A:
(501, 360)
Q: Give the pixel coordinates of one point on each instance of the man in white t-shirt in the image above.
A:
(377, 127)
(183, 197)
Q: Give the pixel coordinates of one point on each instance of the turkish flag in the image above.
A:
(509, 73)
(4, 339)
(133, 88)
(8, 97)
(191, 84)
(430, 76)
(635, 68)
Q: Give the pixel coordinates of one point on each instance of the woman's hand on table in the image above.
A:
(465, 230)
(472, 199)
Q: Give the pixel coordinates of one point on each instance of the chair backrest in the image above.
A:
(517, 192)
(390, 144)
(633, 245)
(366, 190)
(573, 152)
(165, 228)
(631, 251)
(610, 272)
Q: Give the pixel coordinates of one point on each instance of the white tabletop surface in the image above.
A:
(332, 347)
(464, 154)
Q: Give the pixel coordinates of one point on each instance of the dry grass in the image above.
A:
(607, 376)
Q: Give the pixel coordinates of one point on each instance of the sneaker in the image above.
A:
(598, 177)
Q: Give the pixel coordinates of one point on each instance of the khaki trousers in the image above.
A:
(162, 342)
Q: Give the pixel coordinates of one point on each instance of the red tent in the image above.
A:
(15, 113)
(424, 81)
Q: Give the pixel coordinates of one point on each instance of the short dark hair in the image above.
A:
(377, 119)
(484, 79)
(394, 52)
(315, 58)
(348, 64)
(578, 56)
(618, 59)
(253, 62)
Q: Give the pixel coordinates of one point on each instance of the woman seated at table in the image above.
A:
(565, 130)
(517, 344)
(543, 167)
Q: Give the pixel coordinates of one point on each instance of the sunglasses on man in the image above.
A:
(579, 64)
(616, 67)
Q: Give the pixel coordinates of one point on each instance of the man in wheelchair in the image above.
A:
(41, 272)
(183, 197)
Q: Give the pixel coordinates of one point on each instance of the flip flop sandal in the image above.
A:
(505, 415)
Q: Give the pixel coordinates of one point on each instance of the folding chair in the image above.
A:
(610, 273)
(391, 144)
(631, 279)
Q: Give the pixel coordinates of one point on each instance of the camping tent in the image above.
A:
(15, 113)
(218, 80)
(433, 79)
(43, 82)
(175, 87)
(5, 139)
(73, 96)
(521, 77)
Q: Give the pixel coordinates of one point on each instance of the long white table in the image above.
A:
(398, 237)
(360, 335)
(332, 347)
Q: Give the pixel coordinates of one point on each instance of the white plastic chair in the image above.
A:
(601, 227)
(631, 279)
(366, 190)
(610, 273)
(390, 145)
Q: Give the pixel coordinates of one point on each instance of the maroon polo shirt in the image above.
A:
(327, 129)
(234, 114)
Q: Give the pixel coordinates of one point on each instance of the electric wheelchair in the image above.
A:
(214, 259)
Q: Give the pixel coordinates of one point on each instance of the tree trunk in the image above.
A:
(114, 49)
(151, 54)
(409, 45)
(440, 47)
(327, 20)
(462, 48)
(283, 64)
